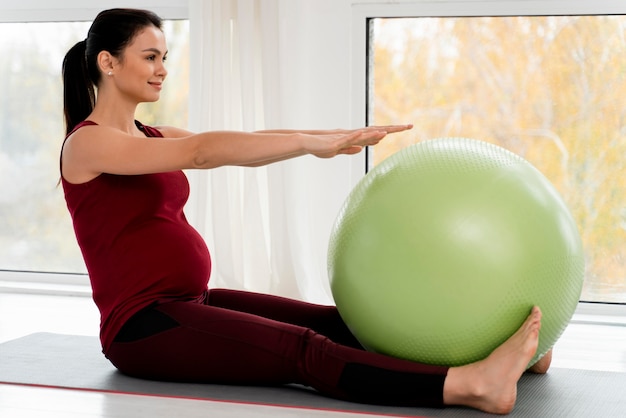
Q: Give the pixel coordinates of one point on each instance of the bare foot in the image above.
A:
(490, 385)
(542, 365)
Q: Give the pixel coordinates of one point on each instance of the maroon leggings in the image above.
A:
(248, 338)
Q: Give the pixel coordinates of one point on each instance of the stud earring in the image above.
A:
(110, 73)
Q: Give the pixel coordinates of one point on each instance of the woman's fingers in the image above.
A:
(352, 142)
(351, 150)
(360, 139)
(392, 128)
(372, 137)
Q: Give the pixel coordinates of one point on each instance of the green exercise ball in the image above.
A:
(440, 252)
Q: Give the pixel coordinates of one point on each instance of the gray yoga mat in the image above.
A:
(76, 362)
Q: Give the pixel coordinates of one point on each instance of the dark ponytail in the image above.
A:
(79, 96)
(111, 31)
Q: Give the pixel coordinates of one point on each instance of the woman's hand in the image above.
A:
(327, 145)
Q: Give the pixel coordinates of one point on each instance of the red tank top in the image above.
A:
(136, 242)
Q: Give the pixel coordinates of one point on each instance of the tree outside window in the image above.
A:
(549, 88)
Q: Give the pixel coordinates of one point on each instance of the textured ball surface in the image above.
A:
(441, 250)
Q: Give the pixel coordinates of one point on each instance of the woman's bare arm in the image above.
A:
(99, 149)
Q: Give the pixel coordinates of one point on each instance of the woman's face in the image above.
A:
(140, 73)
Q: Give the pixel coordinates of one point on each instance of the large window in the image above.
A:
(549, 88)
(35, 227)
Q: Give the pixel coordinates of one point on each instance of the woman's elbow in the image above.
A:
(199, 158)
(201, 161)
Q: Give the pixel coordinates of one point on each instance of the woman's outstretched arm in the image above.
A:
(100, 149)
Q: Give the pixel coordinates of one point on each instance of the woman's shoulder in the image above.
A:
(80, 125)
(152, 131)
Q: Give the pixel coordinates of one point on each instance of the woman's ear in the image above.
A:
(106, 62)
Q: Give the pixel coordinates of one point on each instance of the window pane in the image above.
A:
(548, 88)
(35, 228)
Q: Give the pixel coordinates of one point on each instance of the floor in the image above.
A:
(590, 342)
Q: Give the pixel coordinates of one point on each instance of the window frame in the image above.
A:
(76, 11)
(586, 312)
(359, 12)
(39, 11)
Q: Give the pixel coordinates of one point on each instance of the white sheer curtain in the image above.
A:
(257, 221)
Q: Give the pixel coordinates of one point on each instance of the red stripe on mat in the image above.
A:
(345, 411)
